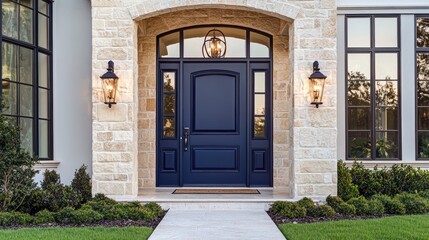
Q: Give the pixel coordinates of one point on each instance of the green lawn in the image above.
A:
(84, 233)
(398, 227)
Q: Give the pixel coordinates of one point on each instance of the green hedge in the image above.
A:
(360, 181)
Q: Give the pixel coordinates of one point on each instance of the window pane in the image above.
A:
(423, 151)
(43, 103)
(386, 93)
(386, 118)
(358, 32)
(26, 125)
(359, 145)
(169, 103)
(26, 24)
(9, 64)
(43, 139)
(359, 93)
(28, 3)
(259, 45)
(43, 31)
(259, 104)
(235, 41)
(259, 128)
(169, 45)
(423, 118)
(10, 98)
(169, 81)
(26, 100)
(43, 7)
(359, 66)
(26, 65)
(359, 118)
(10, 19)
(422, 66)
(422, 32)
(386, 32)
(169, 127)
(43, 70)
(387, 145)
(423, 93)
(259, 82)
(386, 66)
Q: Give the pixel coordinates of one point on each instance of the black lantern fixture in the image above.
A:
(214, 45)
(317, 85)
(110, 84)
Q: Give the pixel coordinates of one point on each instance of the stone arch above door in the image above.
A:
(312, 36)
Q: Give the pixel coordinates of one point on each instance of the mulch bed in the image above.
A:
(279, 219)
(120, 223)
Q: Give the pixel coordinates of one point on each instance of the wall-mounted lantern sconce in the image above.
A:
(110, 84)
(214, 45)
(317, 85)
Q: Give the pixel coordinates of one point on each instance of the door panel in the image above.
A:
(214, 108)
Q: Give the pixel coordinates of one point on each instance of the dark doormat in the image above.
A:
(216, 191)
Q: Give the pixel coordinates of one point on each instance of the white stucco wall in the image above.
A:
(72, 86)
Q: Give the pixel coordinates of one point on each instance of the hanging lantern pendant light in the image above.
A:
(214, 45)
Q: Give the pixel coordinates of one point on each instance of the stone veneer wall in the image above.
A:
(124, 136)
(151, 27)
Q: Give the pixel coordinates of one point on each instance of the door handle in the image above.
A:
(186, 138)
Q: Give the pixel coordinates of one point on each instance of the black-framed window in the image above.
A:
(372, 89)
(26, 86)
(422, 86)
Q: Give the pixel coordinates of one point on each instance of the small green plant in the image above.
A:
(346, 209)
(155, 208)
(44, 216)
(50, 177)
(375, 208)
(81, 183)
(334, 202)
(325, 211)
(361, 205)
(414, 204)
(391, 206)
(15, 218)
(289, 209)
(309, 206)
(346, 188)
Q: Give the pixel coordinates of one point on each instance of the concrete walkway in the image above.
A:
(207, 224)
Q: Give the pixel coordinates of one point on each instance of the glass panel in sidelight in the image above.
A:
(169, 127)
(259, 127)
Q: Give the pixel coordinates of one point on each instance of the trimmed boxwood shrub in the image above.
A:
(85, 216)
(424, 194)
(15, 218)
(155, 208)
(346, 188)
(81, 183)
(289, 209)
(346, 209)
(391, 206)
(325, 211)
(334, 202)
(361, 205)
(44, 216)
(309, 206)
(414, 203)
(375, 208)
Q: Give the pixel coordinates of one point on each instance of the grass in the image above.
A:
(84, 233)
(398, 227)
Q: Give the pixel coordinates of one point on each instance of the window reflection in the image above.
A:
(386, 66)
(422, 30)
(359, 66)
(358, 32)
(169, 103)
(359, 145)
(169, 45)
(386, 32)
(259, 45)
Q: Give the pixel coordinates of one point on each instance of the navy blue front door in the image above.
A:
(214, 124)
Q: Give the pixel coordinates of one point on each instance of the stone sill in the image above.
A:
(47, 164)
(371, 164)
